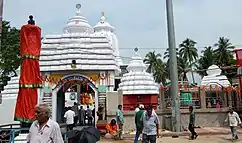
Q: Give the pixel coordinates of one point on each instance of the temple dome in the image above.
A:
(78, 23)
(137, 80)
(214, 77)
(103, 25)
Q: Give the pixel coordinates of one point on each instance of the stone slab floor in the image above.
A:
(200, 139)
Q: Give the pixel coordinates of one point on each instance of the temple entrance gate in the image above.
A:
(65, 83)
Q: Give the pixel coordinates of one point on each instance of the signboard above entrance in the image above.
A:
(76, 78)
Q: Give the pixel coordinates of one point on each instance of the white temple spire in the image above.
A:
(137, 80)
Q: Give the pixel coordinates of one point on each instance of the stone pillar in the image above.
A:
(162, 99)
(224, 95)
(78, 93)
(203, 98)
(54, 105)
(230, 99)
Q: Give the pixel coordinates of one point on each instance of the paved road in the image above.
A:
(200, 139)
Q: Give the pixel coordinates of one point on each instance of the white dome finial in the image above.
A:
(136, 51)
(103, 17)
(78, 7)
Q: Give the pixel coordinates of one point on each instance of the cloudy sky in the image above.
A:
(138, 23)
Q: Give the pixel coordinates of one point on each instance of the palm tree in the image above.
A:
(159, 71)
(206, 60)
(188, 52)
(151, 59)
(223, 52)
(167, 56)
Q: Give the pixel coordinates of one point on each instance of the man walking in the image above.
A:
(89, 116)
(120, 120)
(150, 125)
(191, 126)
(233, 120)
(44, 130)
(81, 115)
(69, 116)
(75, 109)
(138, 116)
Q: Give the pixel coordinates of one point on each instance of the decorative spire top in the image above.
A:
(136, 51)
(78, 9)
(103, 17)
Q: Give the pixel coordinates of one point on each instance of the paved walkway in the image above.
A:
(200, 131)
(184, 139)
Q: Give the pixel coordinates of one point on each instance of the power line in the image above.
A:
(200, 47)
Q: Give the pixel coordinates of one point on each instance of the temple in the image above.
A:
(214, 78)
(137, 85)
(77, 66)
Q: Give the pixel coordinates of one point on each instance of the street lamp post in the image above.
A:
(176, 119)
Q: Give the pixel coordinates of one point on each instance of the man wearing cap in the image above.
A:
(138, 116)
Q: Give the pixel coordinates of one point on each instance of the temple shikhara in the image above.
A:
(137, 85)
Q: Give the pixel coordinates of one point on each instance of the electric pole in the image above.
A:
(176, 119)
(1, 16)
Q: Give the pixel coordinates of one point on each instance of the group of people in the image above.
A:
(75, 116)
(44, 129)
(146, 121)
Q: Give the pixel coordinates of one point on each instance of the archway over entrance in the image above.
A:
(66, 83)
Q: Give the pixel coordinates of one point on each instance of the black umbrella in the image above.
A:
(86, 134)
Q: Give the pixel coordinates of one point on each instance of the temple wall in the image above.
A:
(205, 117)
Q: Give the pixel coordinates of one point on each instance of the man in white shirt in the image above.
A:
(44, 130)
(234, 120)
(69, 116)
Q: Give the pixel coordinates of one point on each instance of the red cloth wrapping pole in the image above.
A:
(30, 79)
(25, 105)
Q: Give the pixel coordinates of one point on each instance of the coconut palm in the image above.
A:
(207, 59)
(159, 71)
(151, 59)
(188, 52)
(167, 56)
(224, 55)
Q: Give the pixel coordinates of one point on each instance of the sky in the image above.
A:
(138, 23)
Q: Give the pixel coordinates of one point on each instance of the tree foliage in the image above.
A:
(9, 51)
(188, 59)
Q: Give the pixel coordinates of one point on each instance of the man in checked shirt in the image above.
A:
(150, 125)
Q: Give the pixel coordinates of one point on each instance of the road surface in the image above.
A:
(200, 139)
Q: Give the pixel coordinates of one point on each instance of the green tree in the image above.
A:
(207, 59)
(188, 52)
(151, 59)
(167, 55)
(156, 66)
(224, 53)
(9, 51)
(159, 71)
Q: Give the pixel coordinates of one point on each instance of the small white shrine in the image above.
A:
(137, 85)
(214, 78)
